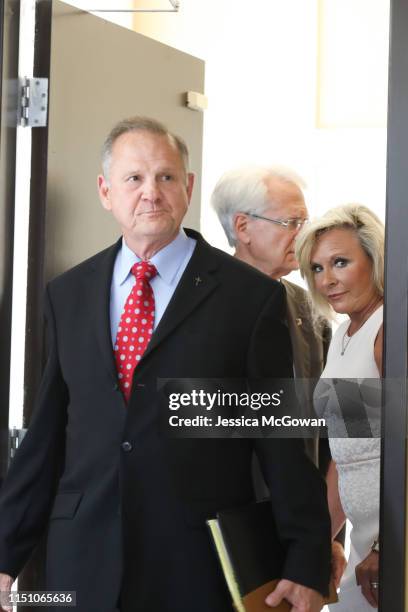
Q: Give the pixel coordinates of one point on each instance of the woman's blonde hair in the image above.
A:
(370, 233)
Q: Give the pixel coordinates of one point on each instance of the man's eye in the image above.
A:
(133, 178)
(316, 268)
(166, 177)
(340, 262)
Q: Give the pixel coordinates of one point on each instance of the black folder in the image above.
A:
(251, 555)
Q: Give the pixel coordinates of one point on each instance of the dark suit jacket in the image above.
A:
(309, 346)
(130, 519)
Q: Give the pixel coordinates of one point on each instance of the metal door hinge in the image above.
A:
(33, 102)
(15, 438)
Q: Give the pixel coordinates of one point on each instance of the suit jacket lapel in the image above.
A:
(197, 282)
(99, 304)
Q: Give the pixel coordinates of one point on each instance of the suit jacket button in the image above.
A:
(126, 447)
(115, 387)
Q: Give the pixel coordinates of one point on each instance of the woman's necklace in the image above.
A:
(345, 341)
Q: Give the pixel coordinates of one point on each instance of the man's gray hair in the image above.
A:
(141, 124)
(244, 190)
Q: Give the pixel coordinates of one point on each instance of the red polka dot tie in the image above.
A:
(135, 326)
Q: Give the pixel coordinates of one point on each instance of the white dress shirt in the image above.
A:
(171, 261)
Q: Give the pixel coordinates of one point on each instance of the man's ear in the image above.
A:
(241, 228)
(190, 185)
(103, 191)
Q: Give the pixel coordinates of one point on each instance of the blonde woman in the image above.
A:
(341, 256)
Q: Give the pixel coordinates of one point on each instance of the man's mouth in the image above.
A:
(151, 212)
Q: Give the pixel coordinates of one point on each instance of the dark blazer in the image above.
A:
(124, 506)
(309, 345)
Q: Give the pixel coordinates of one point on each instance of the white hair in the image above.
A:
(244, 190)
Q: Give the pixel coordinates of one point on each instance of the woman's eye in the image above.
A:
(316, 268)
(340, 262)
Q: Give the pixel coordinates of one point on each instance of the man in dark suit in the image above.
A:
(123, 505)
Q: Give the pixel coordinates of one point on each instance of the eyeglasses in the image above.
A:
(289, 224)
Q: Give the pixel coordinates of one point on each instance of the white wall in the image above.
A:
(297, 82)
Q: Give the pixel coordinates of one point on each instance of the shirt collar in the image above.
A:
(167, 261)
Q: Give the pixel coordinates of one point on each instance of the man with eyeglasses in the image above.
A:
(262, 211)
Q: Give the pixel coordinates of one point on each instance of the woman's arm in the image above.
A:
(338, 518)
(378, 349)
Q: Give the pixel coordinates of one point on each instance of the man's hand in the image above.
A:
(338, 562)
(367, 576)
(5, 587)
(302, 598)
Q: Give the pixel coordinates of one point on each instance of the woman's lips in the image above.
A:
(335, 296)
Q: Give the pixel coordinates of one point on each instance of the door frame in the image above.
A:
(9, 41)
(393, 515)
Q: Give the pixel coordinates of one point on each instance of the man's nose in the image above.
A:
(293, 235)
(151, 190)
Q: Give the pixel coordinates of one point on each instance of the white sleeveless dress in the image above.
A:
(357, 459)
